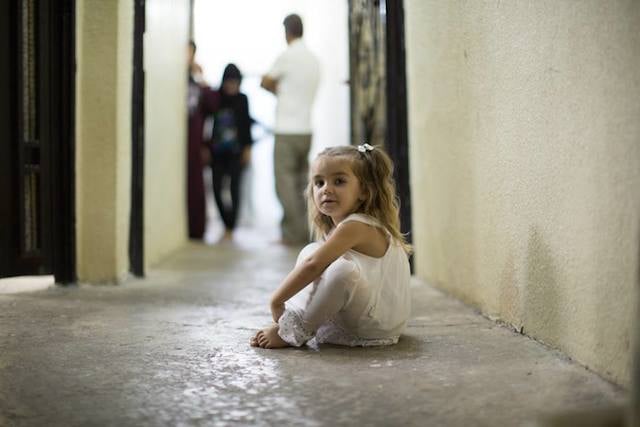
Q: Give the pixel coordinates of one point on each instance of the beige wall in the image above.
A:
(525, 146)
(165, 52)
(103, 139)
(103, 134)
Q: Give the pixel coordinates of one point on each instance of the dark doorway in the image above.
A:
(397, 141)
(136, 223)
(378, 87)
(37, 74)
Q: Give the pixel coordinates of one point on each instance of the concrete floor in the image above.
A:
(173, 350)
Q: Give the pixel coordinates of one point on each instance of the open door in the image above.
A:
(37, 234)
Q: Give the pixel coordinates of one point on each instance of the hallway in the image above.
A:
(173, 350)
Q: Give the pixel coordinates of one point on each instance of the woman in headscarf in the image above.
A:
(230, 146)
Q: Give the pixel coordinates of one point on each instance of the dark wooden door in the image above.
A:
(36, 138)
(8, 180)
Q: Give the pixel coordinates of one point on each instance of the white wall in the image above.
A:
(103, 134)
(165, 63)
(103, 141)
(525, 165)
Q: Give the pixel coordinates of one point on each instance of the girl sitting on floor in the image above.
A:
(359, 269)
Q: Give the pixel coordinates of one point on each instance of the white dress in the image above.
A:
(358, 300)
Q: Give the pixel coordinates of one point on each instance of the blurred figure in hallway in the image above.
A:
(294, 79)
(202, 102)
(230, 147)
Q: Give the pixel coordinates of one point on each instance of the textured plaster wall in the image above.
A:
(525, 163)
(165, 57)
(103, 142)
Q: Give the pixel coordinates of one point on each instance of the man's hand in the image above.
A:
(269, 84)
(246, 156)
(205, 155)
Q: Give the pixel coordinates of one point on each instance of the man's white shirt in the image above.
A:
(297, 71)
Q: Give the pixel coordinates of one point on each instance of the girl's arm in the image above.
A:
(343, 238)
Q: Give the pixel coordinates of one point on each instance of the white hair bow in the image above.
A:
(364, 148)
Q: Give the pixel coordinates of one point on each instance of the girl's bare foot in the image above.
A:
(268, 338)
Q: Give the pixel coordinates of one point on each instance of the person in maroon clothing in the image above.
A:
(203, 101)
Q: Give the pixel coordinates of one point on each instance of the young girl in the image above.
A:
(359, 270)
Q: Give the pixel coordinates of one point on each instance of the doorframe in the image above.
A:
(136, 223)
(62, 155)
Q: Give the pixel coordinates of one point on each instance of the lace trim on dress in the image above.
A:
(331, 333)
(291, 329)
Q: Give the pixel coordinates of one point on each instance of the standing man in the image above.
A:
(293, 78)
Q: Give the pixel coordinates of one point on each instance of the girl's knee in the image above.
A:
(307, 251)
(332, 292)
(341, 272)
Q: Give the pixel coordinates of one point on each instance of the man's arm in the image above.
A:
(269, 84)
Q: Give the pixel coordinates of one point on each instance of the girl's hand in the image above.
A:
(277, 309)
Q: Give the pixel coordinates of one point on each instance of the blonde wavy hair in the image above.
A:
(374, 170)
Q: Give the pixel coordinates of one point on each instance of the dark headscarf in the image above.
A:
(231, 72)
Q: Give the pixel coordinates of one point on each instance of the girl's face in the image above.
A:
(337, 192)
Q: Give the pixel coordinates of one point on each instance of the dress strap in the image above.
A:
(369, 220)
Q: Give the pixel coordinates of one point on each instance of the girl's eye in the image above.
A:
(339, 181)
(319, 183)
